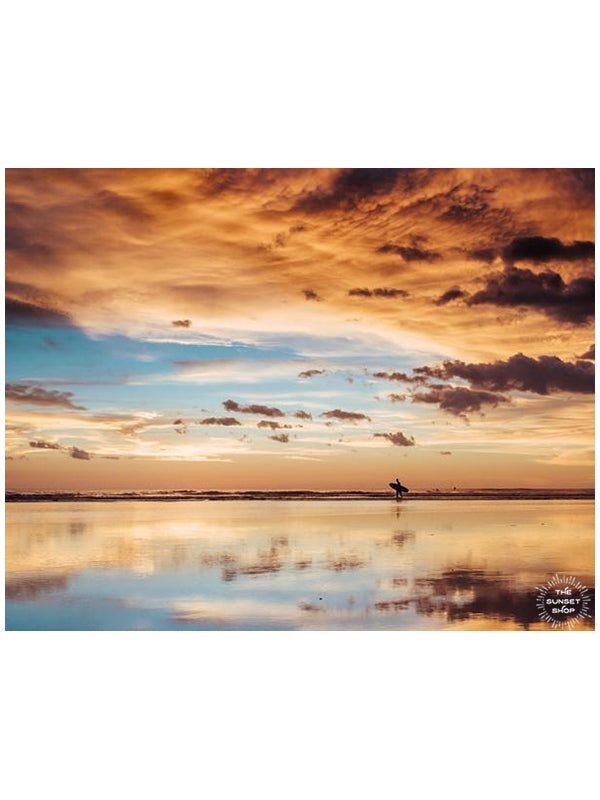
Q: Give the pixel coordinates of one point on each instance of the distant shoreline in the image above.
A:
(174, 496)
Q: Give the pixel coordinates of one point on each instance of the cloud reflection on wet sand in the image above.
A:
(334, 565)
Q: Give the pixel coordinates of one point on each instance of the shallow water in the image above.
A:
(291, 565)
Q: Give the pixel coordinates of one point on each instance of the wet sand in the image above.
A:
(302, 564)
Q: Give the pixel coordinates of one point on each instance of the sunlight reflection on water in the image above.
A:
(290, 565)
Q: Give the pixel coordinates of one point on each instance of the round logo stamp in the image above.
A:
(563, 601)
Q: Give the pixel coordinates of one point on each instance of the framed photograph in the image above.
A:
(300, 399)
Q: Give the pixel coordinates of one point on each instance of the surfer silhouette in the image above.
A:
(398, 488)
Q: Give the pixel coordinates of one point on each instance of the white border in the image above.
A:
(298, 84)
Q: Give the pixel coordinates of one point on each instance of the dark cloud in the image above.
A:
(452, 294)
(63, 176)
(445, 452)
(220, 181)
(35, 395)
(543, 375)
(166, 198)
(182, 323)
(458, 400)
(545, 291)
(40, 444)
(349, 189)
(225, 421)
(397, 439)
(265, 411)
(74, 452)
(81, 455)
(24, 291)
(380, 292)
(302, 415)
(215, 182)
(349, 416)
(410, 253)
(310, 373)
(540, 250)
(122, 206)
(280, 437)
(470, 205)
(581, 182)
(396, 398)
(385, 292)
(272, 425)
(22, 242)
(589, 354)
(19, 312)
(485, 254)
(310, 294)
(536, 249)
(429, 372)
(400, 377)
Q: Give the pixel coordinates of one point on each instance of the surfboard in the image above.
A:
(397, 487)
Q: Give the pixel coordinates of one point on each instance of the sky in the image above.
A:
(299, 328)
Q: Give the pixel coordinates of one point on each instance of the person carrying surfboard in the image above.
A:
(398, 488)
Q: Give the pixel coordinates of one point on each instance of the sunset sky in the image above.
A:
(299, 329)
